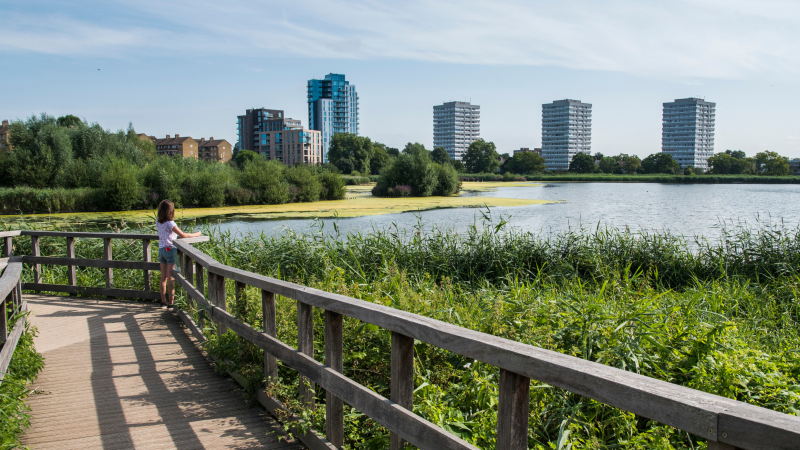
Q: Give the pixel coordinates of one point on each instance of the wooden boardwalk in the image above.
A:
(124, 375)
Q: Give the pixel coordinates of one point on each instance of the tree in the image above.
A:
(582, 163)
(631, 163)
(726, 163)
(358, 149)
(242, 157)
(608, 164)
(771, 163)
(440, 156)
(393, 151)
(414, 148)
(414, 169)
(660, 163)
(42, 151)
(333, 187)
(265, 179)
(481, 157)
(119, 185)
(459, 166)
(598, 156)
(525, 162)
(447, 182)
(69, 121)
(738, 154)
(380, 158)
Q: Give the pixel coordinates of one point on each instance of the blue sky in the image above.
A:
(190, 67)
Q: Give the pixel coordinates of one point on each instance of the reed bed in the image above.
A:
(720, 316)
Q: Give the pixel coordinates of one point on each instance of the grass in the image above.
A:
(719, 316)
(359, 202)
(26, 363)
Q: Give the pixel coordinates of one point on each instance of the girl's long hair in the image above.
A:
(166, 211)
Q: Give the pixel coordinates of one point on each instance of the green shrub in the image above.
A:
(265, 178)
(118, 185)
(333, 187)
(307, 184)
(415, 170)
(447, 180)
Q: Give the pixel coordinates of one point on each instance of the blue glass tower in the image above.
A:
(332, 108)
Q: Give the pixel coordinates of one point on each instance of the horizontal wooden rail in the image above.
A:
(102, 263)
(82, 234)
(712, 417)
(10, 233)
(10, 279)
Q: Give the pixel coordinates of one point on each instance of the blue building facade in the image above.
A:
(332, 108)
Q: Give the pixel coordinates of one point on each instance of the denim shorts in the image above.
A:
(167, 256)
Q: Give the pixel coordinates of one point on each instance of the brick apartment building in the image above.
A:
(4, 145)
(218, 150)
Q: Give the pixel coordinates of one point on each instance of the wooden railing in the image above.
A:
(10, 304)
(725, 423)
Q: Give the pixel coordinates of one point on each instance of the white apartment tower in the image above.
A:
(566, 131)
(455, 126)
(688, 131)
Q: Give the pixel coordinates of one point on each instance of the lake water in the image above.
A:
(682, 209)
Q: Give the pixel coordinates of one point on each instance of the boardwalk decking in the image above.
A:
(123, 375)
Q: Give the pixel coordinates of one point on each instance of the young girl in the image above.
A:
(167, 252)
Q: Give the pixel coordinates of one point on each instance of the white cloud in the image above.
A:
(679, 38)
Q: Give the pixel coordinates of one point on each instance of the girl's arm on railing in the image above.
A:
(181, 234)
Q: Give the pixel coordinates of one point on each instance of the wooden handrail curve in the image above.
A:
(730, 423)
(10, 302)
(725, 423)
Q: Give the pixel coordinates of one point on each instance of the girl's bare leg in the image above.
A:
(166, 283)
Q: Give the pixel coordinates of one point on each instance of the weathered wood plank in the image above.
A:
(4, 318)
(8, 248)
(107, 256)
(401, 384)
(754, 428)
(720, 446)
(305, 344)
(100, 263)
(334, 358)
(512, 411)
(11, 343)
(81, 234)
(71, 275)
(221, 298)
(199, 283)
(147, 256)
(37, 268)
(10, 278)
(93, 291)
(270, 328)
(5, 234)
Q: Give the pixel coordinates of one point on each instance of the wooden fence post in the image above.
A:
(268, 313)
(147, 256)
(37, 268)
(199, 284)
(512, 411)
(334, 358)
(305, 344)
(238, 292)
(188, 273)
(9, 248)
(220, 297)
(107, 256)
(71, 275)
(3, 319)
(402, 379)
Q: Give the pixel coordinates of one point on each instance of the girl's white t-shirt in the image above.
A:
(165, 234)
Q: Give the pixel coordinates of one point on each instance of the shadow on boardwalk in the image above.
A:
(123, 375)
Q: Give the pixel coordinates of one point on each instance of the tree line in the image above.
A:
(730, 162)
(96, 169)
